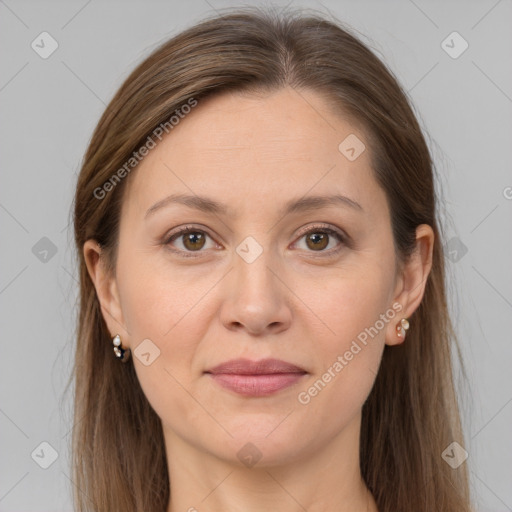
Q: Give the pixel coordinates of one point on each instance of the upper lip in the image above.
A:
(261, 367)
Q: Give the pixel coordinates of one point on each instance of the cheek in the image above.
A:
(157, 299)
(168, 307)
(355, 313)
(161, 305)
(349, 302)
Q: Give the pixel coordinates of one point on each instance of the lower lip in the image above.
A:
(256, 385)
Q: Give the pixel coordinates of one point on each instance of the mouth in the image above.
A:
(256, 378)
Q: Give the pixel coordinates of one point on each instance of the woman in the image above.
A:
(256, 225)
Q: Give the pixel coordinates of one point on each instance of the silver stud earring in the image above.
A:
(121, 353)
(402, 327)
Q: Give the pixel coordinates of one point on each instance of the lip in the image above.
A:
(249, 367)
(256, 378)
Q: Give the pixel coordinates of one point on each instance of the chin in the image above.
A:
(260, 444)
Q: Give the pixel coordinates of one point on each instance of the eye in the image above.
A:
(192, 240)
(318, 238)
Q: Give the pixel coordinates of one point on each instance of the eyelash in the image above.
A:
(313, 229)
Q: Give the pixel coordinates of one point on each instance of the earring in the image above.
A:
(121, 353)
(402, 327)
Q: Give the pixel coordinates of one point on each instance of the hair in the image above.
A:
(412, 413)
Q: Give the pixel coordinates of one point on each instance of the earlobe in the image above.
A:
(412, 281)
(397, 331)
(106, 288)
(401, 328)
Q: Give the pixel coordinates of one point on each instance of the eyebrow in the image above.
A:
(208, 205)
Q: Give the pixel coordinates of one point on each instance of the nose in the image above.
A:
(256, 299)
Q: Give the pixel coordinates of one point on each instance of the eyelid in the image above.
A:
(174, 234)
(322, 227)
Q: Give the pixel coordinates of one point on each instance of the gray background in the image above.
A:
(49, 108)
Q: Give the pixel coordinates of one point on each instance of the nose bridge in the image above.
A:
(256, 298)
(254, 260)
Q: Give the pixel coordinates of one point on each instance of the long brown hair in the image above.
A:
(411, 414)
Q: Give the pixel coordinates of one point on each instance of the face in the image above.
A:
(313, 285)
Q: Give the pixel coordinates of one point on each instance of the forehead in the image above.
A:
(260, 150)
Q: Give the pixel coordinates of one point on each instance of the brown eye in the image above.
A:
(318, 239)
(194, 240)
(188, 240)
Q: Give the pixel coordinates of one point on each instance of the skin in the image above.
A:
(254, 153)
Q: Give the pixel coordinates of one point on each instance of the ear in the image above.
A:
(106, 290)
(412, 280)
